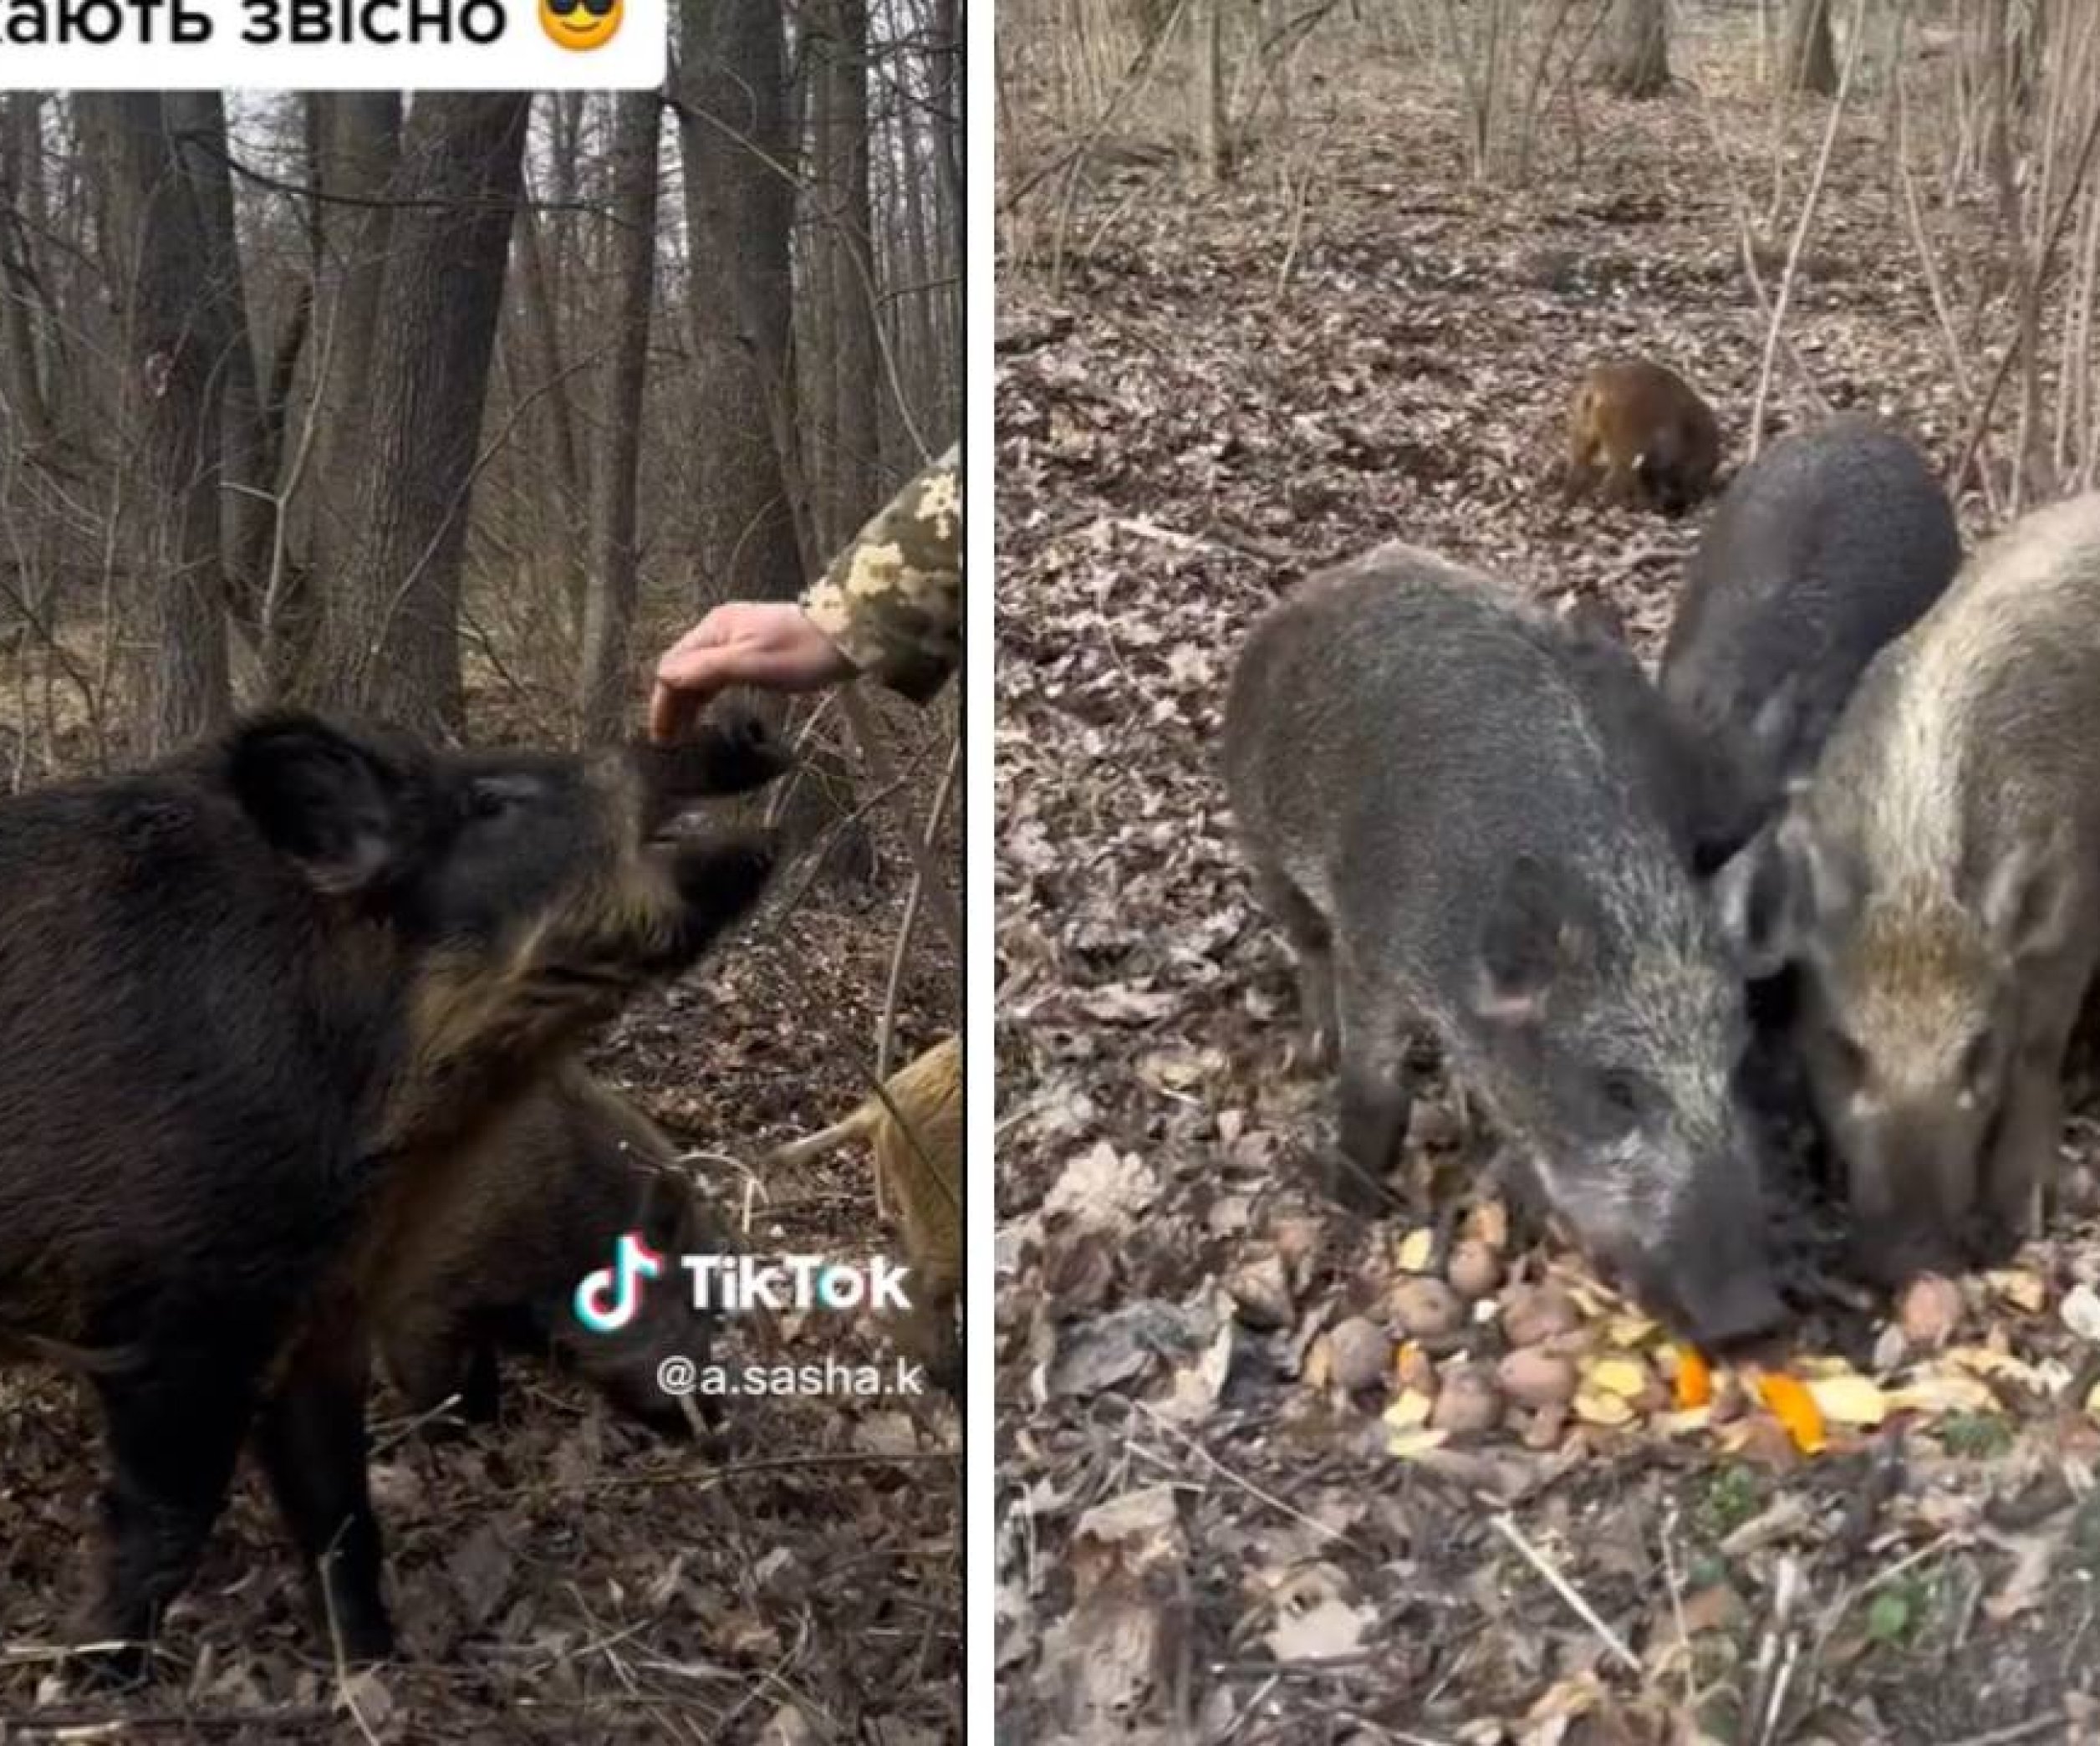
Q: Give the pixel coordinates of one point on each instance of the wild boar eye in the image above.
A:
(1621, 1092)
(495, 797)
(1976, 1060)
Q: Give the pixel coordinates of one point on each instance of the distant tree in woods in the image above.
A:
(1808, 62)
(389, 629)
(604, 692)
(1634, 61)
(733, 131)
(173, 356)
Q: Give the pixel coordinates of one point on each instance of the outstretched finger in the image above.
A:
(685, 679)
(669, 713)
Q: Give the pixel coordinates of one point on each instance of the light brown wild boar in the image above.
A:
(1639, 433)
(1938, 880)
(494, 1266)
(916, 1127)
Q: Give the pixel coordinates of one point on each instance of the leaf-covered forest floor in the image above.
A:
(1206, 1531)
(569, 1578)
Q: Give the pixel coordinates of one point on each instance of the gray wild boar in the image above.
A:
(1938, 881)
(1441, 806)
(1832, 544)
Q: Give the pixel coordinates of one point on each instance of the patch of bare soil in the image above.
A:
(1236, 1505)
(569, 1578)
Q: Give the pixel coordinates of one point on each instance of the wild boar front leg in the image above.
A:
(927, 1329)
(434, 1360)
(1377, 1093)
(1313, 947)
(2019, 1174)
(313, 1450)
(174, 1430)
(1577, 474)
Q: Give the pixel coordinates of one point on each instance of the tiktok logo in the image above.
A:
(607, 1300)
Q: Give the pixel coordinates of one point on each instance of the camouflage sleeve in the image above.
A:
(892, 600)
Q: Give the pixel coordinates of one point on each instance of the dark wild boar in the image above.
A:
(1938, 883)
(1639, 433)
(549, 1189)
(915, 1131)
(247, 997)
(1832, 544)
(1641, 725)
(1439, 808)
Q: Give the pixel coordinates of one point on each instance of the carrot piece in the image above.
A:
(1794, 1408)
(1694, 1380)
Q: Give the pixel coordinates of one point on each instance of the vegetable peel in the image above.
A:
(1795, 1407)
(1694, 1380)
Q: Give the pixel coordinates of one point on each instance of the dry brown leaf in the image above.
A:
(1315, 1618)
(1103, 1188)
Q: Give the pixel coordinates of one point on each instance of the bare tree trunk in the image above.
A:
(1635, 58)
(159, 259)
(608, 608)
(1206, 20)
(561, 498)
(1808, 62)
(354, 142)
(944, 55)
(740, 208)
(390, 632)
(916, 317)
(247, 514)
(358, 152)
(22, 387)
(817, 296)
(1276, 39)
(856, 466)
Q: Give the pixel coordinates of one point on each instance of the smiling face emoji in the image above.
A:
(580, 24)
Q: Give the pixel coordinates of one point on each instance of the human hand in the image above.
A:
(771, 644)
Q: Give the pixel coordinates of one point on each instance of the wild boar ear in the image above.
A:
(1760, 900)
(1595, 620)
(1776, 725)
(2027, 900)
(1533, 935)
(320, 798)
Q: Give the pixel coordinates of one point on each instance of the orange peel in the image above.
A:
(1794, 1408)
(1694, 1380)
